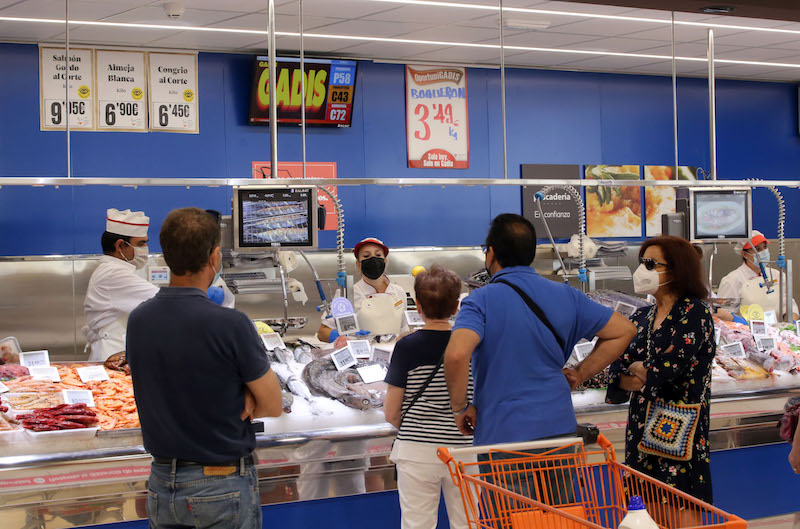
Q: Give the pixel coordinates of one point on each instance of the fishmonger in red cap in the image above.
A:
(371, 259)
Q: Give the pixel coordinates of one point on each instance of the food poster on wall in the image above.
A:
(660, 201)
(437, 127)
(52, 89)
(313, 170)
(613, 210)
(121, 91)
(173, 92)
(559, 207)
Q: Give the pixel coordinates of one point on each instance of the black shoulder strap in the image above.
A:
(425, 385)
(535, 309)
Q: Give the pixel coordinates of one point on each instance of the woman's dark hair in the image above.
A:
(437, 292)
(108, 242)
(513, 239)
(188, 236)
(683, 263)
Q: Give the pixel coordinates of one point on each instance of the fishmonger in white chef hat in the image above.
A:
(115, 289)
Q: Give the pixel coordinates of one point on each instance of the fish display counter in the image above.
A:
(72, 465)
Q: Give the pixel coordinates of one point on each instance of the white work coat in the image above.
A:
(732, 284)
(362, 290)
(114, 291)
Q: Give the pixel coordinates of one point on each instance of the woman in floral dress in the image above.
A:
(666, 370)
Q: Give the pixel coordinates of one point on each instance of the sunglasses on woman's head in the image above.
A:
(649, 263)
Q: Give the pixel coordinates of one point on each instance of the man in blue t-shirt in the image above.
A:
(522, 391)
(200, 374)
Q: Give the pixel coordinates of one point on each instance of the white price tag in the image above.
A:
(734, 350)
(373, 373)
(758, 328)
(34, 359)
(173, 92)
(717, 335)
(796, 328)
(361, 349)
(765, 344)
(582, 350)
(381, 356)
(53, 73)
(45, 373)
(78, 396)
(3, 388)
(347, 324)
(272, 341)
(414, 319)
(626, 309)
(770, 318)
(343, 358)
(121, 90)
(92, 373)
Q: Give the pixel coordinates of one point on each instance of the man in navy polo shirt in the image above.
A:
(522, 392)
(200, 373)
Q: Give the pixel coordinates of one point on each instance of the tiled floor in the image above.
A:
(786, 521)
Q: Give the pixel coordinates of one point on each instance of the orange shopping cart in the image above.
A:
(564, 486)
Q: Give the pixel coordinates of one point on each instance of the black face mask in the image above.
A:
(373, 267)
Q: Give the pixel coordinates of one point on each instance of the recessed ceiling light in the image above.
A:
(717, 10)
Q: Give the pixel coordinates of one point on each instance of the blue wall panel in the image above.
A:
(553, 117)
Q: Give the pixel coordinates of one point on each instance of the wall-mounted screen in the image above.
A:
(266, 218)
(330, 87)
(720, 213)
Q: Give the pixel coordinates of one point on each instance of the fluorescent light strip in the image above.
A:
(263, 33)
(589, 15)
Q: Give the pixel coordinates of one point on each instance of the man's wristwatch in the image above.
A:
(462, 410)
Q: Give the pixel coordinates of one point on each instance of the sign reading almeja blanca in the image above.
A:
(437, 125)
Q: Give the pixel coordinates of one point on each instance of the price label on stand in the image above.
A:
(173, 92)
(770, 318)
(373, 373)
(582, 350)
(78, 396)
(734, 350)
(34, 359)
(92, 373)
(121, 91)
(45, 373)
(437, 129)
(54, 70)
(717, 335)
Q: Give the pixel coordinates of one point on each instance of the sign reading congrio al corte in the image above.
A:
(329, 91)
(437, 124)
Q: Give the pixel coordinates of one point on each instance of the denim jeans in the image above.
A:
(183, 496)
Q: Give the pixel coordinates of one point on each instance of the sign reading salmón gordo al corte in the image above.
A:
(437, 124)
(329, 91)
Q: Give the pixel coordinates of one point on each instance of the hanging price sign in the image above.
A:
(121, 91)
(173, 92)
(53, 73)
(437, 127)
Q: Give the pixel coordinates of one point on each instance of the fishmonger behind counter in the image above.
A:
(379, 304)
(746, 283)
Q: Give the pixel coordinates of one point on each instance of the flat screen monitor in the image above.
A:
(720, 214)
(270, 218)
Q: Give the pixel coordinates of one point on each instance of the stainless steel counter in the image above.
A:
(106, 483)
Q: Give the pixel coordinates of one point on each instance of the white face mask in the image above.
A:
(763, 256)
(140, 256)
(646, 281)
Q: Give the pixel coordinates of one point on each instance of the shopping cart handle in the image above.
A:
(603, 442)
(444, 455)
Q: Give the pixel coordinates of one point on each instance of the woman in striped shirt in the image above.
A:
(422, 413)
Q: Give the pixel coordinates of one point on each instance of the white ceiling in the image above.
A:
(378, 20)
